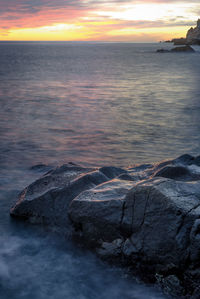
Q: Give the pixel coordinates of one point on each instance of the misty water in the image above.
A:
(93, 104)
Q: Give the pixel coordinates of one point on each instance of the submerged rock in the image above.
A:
(163, 51)
(145, 216)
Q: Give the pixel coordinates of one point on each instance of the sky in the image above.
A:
(96, 20)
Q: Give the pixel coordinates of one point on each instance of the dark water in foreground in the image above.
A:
(93, 104)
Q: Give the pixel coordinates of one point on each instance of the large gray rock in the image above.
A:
(98, 212)
(157, 218)
(152, 223)
(160, 215)
(146, 216)
(46, 200)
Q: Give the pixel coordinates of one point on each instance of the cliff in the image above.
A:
(192, 37)
(193, 34)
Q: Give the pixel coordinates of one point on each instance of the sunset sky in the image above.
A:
(96, 20)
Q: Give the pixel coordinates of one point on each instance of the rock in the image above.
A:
(186, 48)
(162, 51)
(146, 216)
(158, 221)
(183, 49)
(193, 35)
(197, 161)
(112, 249)
(99, 211)
(139, 172)
(127, 177)
(159, 215)
(41, 167)
(128, 248)
(160, 165)
(184, 159)
(174, 172)
(179, 41)
(184, 168)
(170, 284)
(47, 199)
(112, 172)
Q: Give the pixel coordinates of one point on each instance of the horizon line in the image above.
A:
(77, 41)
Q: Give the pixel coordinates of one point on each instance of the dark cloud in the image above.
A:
(33, 6)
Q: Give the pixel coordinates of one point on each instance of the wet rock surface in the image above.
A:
(47, 200)
(146, 217)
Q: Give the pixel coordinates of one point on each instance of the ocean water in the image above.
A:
(94, 104)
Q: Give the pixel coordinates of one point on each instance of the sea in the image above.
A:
(93, 104)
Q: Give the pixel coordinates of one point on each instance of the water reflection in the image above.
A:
(72, 104)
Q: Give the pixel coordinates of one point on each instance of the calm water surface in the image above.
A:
(95, 104)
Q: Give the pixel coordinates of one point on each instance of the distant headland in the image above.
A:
(192, 37)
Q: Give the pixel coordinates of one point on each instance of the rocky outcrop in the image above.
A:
(193, 35)
(179, 41)
(192, 38)
(145, 216)
(177, 49)
(183, 49)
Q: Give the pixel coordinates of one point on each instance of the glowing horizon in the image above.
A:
(92, 20)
